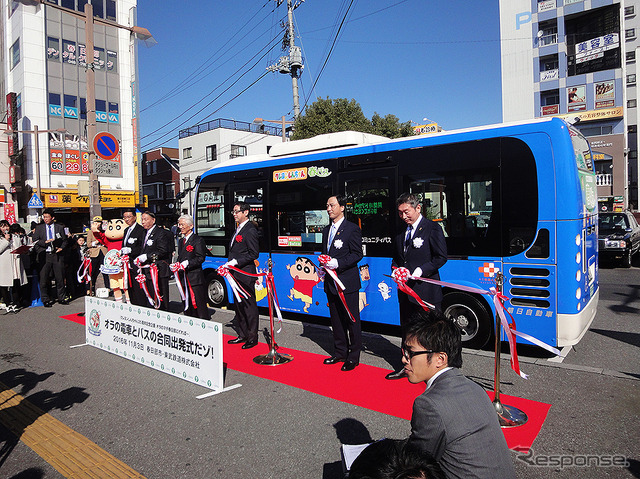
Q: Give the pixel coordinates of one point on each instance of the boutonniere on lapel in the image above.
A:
(418, 242)
(239, 238)
(189, 248)
(149, 242)
(132, 240)
(337, 244)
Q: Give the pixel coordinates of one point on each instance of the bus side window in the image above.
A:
(299, 214)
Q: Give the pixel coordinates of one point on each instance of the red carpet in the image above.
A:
(364, 387)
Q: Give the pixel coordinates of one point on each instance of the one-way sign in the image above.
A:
(35, 202)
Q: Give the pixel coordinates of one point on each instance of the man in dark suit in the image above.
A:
(132, 243)
(243, 252)
(453, 421)
(191, 254)
(422, 249)
(342, 240)
(157, 247)
(49, 239)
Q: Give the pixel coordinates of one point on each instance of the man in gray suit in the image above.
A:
(453, 420)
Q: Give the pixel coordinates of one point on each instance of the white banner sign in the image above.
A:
(185, 347)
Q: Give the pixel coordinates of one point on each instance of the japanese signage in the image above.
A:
(10, 212)
(550, 110)
(595, 48)
(184, 347)
(576, 98)
(290, 175)
(425, 129)
(284, 241)
(371, 208)
(76, 161)
(546, 5)
(605, 94)
(71, 199)
(3, 195)
(595, 114)
(12, 123)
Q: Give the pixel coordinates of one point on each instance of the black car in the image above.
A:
(618, 236)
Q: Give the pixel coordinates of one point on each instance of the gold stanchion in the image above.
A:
(509, 416)
(273, 357)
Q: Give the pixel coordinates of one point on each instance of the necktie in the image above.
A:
(126, 237)
(332, 233)
(49, 231)
(234, 235)
(407, 238)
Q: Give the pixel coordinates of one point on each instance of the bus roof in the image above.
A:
(347, 140)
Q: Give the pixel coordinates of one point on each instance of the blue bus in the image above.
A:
(515, 198)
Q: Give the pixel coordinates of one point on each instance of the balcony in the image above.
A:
(604, 179)
(550, 39)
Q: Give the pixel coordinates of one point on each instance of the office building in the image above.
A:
(577, 59)
(43, 74)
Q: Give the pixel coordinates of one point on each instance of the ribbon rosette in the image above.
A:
(239, 238)
(238, 290)
(323, 259)
(400, 276)
(189, 248)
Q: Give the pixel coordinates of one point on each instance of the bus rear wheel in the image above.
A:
(471, 316)
(216, 291)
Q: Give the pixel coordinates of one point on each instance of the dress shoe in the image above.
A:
(48, 304)
(333, 360)
(249, 344)
(237, 340)
(396, 375)
(349, 365)
(64, 301)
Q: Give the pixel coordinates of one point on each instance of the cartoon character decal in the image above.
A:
(364, 284)
(385, 290)
(305, 277)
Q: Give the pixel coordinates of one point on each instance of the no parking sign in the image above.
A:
(106, 145)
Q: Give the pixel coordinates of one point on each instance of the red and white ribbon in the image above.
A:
(126, 271)
(84, 272)
(400, 276)
(509, 328)
(142, 280)
(186, 291)
(238, 290)
(323, 259)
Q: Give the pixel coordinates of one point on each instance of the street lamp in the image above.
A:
(141, 33)
(35, 132)
(283, 122)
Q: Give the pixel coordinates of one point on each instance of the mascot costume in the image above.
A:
(112, 237)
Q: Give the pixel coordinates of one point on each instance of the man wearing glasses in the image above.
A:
(453, 421)
(243, 252)
(132, 247)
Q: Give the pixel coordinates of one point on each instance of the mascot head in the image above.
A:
(115, 229)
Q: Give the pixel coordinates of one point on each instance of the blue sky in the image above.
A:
(411, 58)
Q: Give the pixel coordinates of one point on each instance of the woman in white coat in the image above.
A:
(12, 264)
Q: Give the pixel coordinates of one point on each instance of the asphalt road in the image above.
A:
(153, 423)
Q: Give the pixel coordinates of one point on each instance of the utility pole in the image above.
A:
(291, 64)
(95, 209)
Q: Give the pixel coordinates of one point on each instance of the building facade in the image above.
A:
(44, 68)
(212, 143)
(577, 59)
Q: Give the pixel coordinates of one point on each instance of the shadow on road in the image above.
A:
(348, 431)
(15, 419)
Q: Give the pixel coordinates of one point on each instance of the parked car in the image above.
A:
(618, 237)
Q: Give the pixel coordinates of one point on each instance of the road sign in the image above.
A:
(35, 202)
(106, 145)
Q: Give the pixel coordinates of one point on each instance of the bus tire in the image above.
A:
(216, 290)
(471, 316)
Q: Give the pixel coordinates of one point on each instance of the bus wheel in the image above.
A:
(216, 291)
(471, 316)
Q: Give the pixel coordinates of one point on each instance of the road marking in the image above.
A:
(70, 453)
(563, 354)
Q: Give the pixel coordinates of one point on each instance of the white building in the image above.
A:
(44, 63)
(577, 59)
(212, 143)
